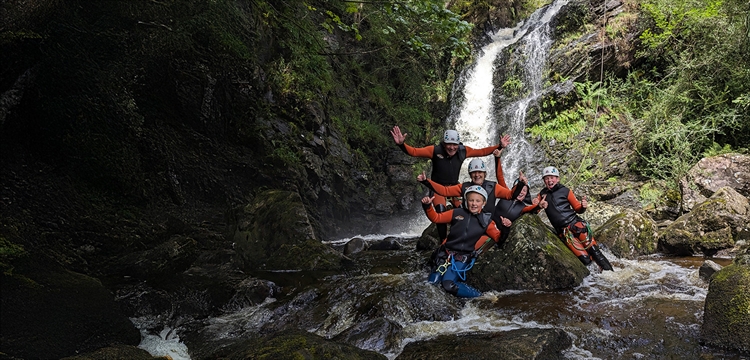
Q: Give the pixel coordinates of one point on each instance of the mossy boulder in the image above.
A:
(515, 344)
(532, 258)
(711, 174)
(628, 235)
(726, 317)
(48, 312)
(300, 345)
(275, 232)
(713, 225)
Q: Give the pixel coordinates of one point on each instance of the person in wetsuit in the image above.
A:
(447, 158)
(469, 224)
(562, 209)
(519, 202)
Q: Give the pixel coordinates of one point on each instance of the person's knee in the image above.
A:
(450, 286)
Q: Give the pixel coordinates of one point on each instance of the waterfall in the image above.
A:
(478, 120)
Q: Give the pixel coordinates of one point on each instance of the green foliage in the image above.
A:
(591, 104)
(693, 102)
(513, 87)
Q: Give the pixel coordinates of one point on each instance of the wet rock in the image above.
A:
(354, 246)
(522, 344)
(379, 334)
(429, 240)
(51, 313)
(274, 232)
(711, 174)
(708, 269)
(726, 318)
(532, 258)
(389, 243)
(299, 345)
(117, 352)
(172, 256)
(628, 235)
(712, 225)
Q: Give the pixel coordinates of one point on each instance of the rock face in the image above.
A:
(300, 345)
(274, 232)
(53, 313)
(726, 317)
(515, 344)
(710, 174)
(532, 258)
(713, 225)
(628, 235)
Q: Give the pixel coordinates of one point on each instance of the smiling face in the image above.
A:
(475, 202)
(477, 177)
(451, 149)
(522, 194)
(550, 181)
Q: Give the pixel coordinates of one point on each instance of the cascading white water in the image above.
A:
(478, 121)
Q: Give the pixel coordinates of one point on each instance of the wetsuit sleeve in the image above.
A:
(503, 192)
(575, 203)
(530, 208)
(493, 231)
(499, 172)
(438, 218)
(447, 191)
(480, 152)
(423, 152)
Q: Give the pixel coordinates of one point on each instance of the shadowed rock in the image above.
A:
(522, 344)
(726, 317)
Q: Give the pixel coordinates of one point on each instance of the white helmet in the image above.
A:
(550, 170)
(477, 189)
(477, 165)
(451, 137)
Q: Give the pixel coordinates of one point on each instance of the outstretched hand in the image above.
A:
(543, 202)
(506, 222)
(428, 200)
(523, 178)
(584, 202)
(398, 137)
(505, 141)
(421, 177)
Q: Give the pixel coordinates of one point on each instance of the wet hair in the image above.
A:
(518, 185)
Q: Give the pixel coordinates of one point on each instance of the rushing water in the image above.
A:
(647, 308)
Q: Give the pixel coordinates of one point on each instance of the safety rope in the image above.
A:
(462, 272)
(578, 244)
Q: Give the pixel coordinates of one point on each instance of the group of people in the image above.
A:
(483, 210)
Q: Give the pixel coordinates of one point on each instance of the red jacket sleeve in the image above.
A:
(438, 218)
(447, 191)
(480, 152)
(493, 231)
(499, 172)
(503, 192)
(575, 203)
(423, 152)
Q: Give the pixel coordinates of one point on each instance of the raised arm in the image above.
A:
(447, 191)
(579, 207)
(434, 216)
(399, 138)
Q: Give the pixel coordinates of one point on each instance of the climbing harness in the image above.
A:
(444, 267)
(462, 272)
(573, 241)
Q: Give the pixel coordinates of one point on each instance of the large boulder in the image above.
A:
(299, 345)
(713, 173)
(713, 225)
(50, 313)
(726, 316)
(515, 344)
(532, 258)
(274, 232)
(628, 235)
